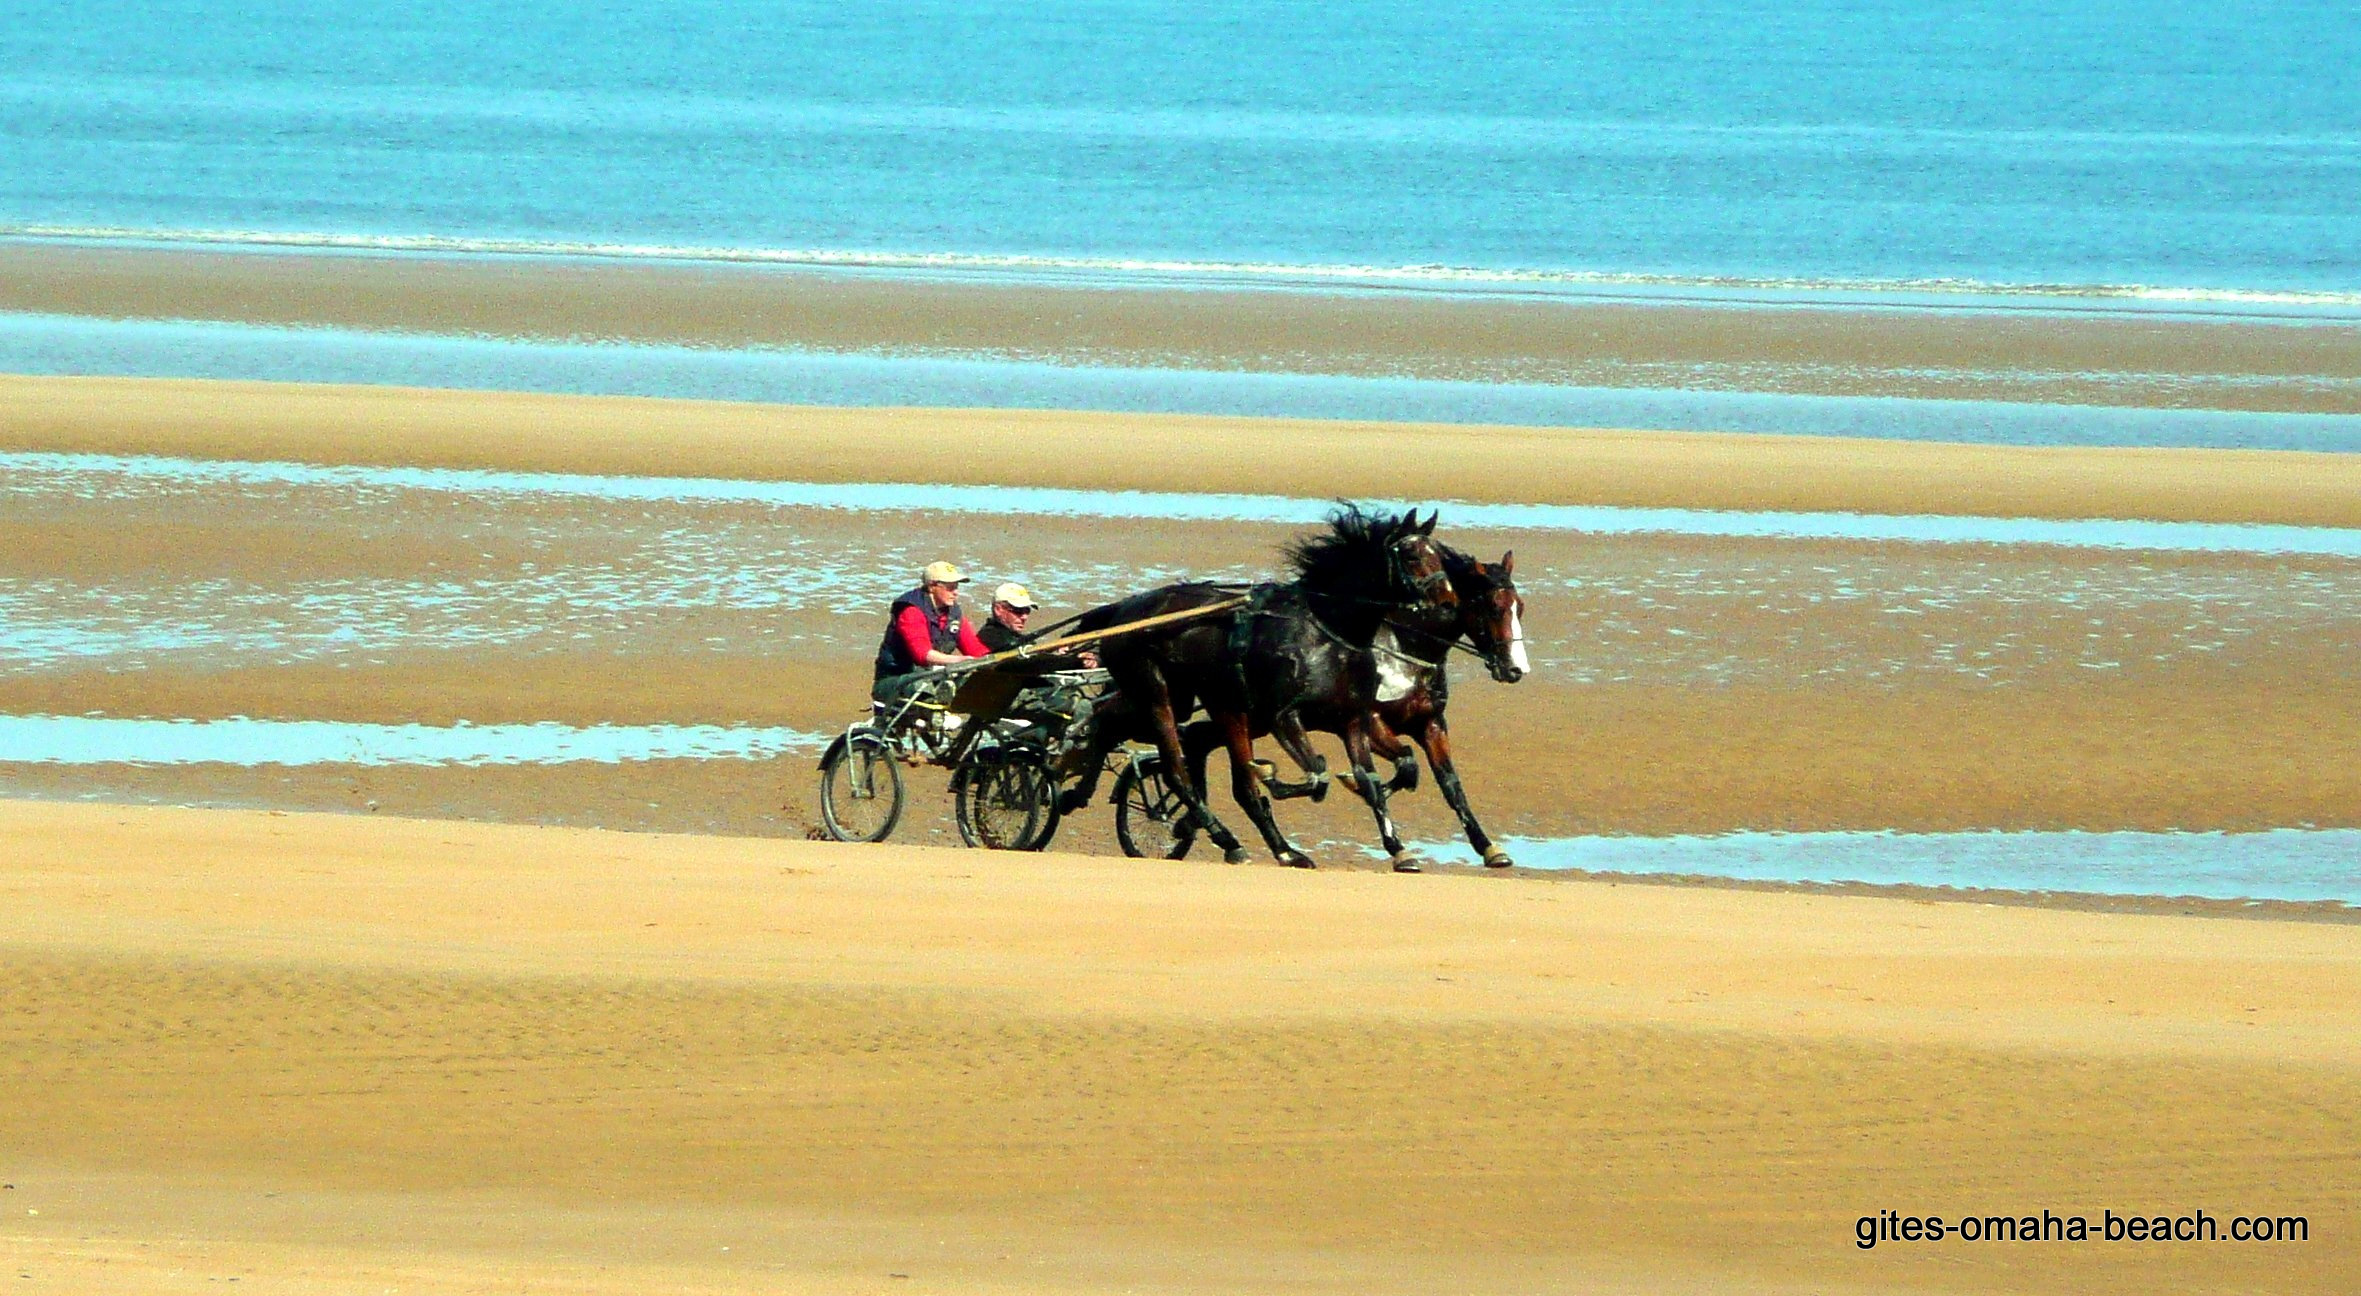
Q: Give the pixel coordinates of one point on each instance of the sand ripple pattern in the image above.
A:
(767, 1095)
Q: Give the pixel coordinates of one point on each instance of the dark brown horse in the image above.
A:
(1491, 619)
(1396, 686)
(1262, 660)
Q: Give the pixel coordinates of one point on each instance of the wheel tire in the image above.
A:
(1151, 820)
(1005, 798)
(860, 788)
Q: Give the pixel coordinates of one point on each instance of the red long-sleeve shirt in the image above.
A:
(918, 636)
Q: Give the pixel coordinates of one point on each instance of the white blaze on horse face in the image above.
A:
(1516, 643)
(1396, 678)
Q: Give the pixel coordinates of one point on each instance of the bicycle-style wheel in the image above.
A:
(1151, 819)
(860, 788)
(1005, 798)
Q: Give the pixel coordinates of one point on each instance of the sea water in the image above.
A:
(2172, 150)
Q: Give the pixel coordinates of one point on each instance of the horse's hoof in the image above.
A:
(1498, 859)
(1405, 864)
(1297, 859)
(1234, 855)
(1071, 800)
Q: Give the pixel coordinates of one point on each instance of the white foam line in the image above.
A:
(1279, 273)
(2097, 533)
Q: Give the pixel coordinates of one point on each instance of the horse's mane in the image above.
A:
(1351, 558)
(1468, 571)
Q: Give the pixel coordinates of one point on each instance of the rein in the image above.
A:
(1047, 633)
(1455, 641)
(1426, 585)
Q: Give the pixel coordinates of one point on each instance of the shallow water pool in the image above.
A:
(73, 345)
(2292, 864)
(96, 740)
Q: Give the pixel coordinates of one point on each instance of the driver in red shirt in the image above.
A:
(924, 629)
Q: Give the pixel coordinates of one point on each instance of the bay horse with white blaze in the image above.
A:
(1394, 687)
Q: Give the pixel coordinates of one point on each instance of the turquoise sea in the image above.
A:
(2166, 150)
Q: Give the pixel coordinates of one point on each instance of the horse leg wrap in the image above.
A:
(1233, 851)
(1405, 774)
(1315, 787)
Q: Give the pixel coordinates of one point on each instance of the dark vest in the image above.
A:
(893, 656)
(1000, 638)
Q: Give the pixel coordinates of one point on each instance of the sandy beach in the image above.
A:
(407, 1047)
(312, 1052)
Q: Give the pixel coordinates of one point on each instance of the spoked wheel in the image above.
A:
(1005, 798)
(860, 788)
(1151, 819)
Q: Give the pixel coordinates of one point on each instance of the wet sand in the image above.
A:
(2195, 753)
(279, 1049)
(2086, 358)
(1684, 684)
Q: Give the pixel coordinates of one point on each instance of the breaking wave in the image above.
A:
(1180, 273)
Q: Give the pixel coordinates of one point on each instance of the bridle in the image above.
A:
(1430, 587)
(1492, 650)
(1495, 658)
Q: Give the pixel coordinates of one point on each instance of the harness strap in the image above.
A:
(1454, 642)
(1242, 636)
(1415, 662)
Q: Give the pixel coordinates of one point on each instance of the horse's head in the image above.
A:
(1492, 614)
(1417, 572)
(1370, 562)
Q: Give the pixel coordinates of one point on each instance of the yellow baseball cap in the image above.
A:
(1015, 595)
(943, 573)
